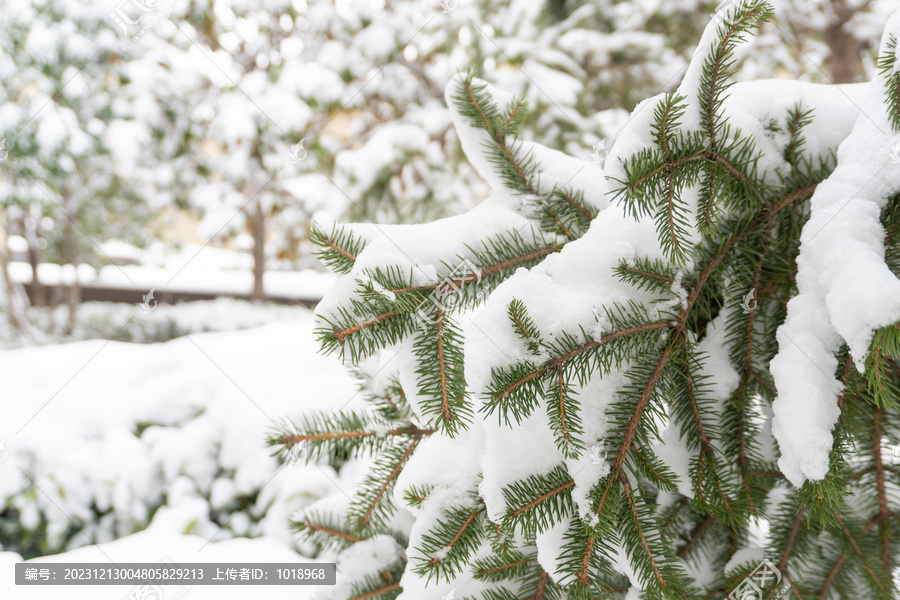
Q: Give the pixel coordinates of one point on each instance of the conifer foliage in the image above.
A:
(571, 388)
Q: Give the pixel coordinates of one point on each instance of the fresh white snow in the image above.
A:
(124, 427)
(846, 290)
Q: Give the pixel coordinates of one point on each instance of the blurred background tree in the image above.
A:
(62, 69)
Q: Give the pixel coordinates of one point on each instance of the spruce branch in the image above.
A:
(524, 326)
(739, 20)
(372, 507)
(331, 531)
(359, 334)
(695, 535)
(877, 579)
(798, 120)
(391, 403)
(513, 391)
(416, 495)
(576, 201)
(500, 568)
(389, 307)
(441, 385)
(887, 66)
(447, 548)
(884, 511)
(643, 273)
(516, 112)
(473, 101)
(337, 250)
(385, 586)
(563, 408)
(559, 210)
(328, 436)
(651, 546)
(325, 531)
(538, 501)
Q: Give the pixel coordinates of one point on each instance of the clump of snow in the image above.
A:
(361, 559)
(845, 289)
(458, 460)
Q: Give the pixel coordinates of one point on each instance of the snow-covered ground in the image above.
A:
(169, 434)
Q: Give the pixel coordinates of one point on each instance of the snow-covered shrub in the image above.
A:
(156, 435)
(664, 379)
(174, 470)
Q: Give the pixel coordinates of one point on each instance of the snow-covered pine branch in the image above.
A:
(593, 367)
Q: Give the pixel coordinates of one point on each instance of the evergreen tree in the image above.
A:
(571, 387)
